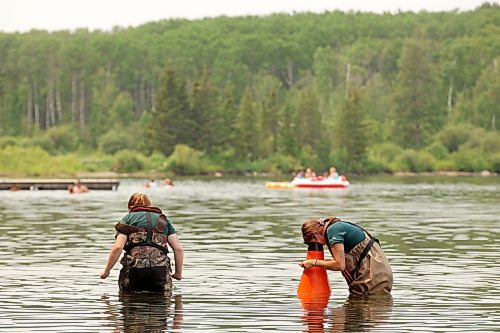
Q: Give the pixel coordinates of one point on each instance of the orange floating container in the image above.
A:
(314, 281)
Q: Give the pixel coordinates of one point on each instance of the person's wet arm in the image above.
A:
(336, 264)
(114, 254)
(175, 244)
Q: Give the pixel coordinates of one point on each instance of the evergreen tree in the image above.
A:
(418, 111)
(309, 120)
(203, 113)
(287, 138)
(270, 120)
(267, 96)
(170, 122)
(351, 133)
(486, 106)
(225, 119)
(247, 143)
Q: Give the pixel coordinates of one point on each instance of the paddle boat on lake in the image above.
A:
(318, 182)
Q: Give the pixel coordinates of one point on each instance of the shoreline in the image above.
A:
(156, 175)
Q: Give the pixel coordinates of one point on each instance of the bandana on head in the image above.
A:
(322, 222)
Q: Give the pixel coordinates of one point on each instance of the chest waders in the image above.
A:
(146, 265)
(350, 275)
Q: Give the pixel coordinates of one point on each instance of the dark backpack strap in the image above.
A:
(149, 238)
(350, 276)
(362, 256)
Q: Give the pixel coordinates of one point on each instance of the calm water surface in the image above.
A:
(242, 243)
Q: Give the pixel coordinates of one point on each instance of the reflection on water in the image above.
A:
(361, 314)
(357, 314)
(314, 307)
(143, 312)
(242, 243)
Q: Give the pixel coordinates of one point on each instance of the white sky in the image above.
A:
(24, 15)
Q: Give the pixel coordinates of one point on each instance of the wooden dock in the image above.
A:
(56, 184)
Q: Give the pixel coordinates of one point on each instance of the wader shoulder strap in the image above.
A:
(347, 276)
(350, 276)
(149, 238)
(362, 256)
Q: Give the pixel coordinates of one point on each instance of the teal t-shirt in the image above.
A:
(138, 219)
(342, 232)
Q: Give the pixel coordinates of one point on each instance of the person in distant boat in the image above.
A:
(144, 233)
(310, 174)
(332, 173)
(300, 175)
(77, 187)
(168, 182)
(355, 252)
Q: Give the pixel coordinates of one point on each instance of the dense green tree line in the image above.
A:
(367, 92)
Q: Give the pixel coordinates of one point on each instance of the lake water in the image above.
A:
(242, 243)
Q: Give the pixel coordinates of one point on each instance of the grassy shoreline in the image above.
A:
(160, 175)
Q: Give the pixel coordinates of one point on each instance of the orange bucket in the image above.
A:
(314, 281)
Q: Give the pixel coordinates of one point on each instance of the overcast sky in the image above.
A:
(24, 15)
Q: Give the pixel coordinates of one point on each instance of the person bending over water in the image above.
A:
(355, 252)
(144, 234)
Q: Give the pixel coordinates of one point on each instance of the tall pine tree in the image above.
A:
(171, 121)
(247, 143)
(351, 133)
(418, 111)
(203, 112)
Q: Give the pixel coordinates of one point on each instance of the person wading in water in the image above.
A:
(144, 234)
(355, 252)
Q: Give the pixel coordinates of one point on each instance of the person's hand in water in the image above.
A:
(104, 274)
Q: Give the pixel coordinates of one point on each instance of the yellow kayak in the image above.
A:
(279, 185)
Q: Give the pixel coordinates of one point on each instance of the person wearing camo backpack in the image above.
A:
(144, 233)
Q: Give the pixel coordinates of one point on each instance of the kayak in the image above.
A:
(340, 182)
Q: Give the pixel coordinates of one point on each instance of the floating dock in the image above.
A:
(56, 184)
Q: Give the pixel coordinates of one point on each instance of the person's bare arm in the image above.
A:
(175, 244)
(114, 254)
(337, 264)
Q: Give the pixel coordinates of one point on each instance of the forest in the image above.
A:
(368, 93)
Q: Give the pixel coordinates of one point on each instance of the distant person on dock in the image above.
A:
(77, 187)
(144, 234)
(355, 252)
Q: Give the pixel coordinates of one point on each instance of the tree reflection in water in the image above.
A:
(144, 312)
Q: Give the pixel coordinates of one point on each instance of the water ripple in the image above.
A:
(242, 242)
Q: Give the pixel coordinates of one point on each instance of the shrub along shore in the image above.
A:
(34, 161)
